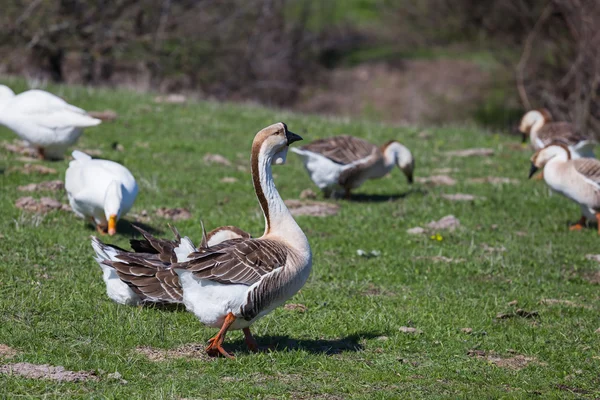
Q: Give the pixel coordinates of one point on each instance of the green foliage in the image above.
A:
(53, 306)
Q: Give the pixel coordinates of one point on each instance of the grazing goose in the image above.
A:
(100, 190)
(233, 284)
(578, 179)
(132, 285)
(538, 126)
(346, 162)
(47, 122)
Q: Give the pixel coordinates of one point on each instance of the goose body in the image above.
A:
(45, 121)
(346, 162)
(100, 190)
(577, 179)
(232, 284)
(537, 125)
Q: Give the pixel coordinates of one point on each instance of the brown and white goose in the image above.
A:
(578, 179)
(537, 125)
(346, 162)
(233, 284)
(135, 284)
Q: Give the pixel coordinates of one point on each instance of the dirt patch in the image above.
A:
(494, 180)
(479, 152)
(312, 208)
(516, 362)
(301, 308)
(449, 222)
(175, 214)
(229, 179)
(437, 180)
(46, 371)
(41, 206)
(373, 290)
(308, 194)
(216, 159)
(19, 147)
(143, 216)
(410, 329)
(518, 313)
(569, 303)
(461, 197)
(7, 352)
(440, 259)
(572, 389)
(192, 350)
(593, 257)
(51, 186)
(33, 169)
(106, 115)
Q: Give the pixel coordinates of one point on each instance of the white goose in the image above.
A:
(45, 121)
(100, 190)
(346, 162)
(537, 125)
(233, 284)
(578, 179)
(153, 285)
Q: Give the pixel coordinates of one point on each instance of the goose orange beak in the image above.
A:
(112, 225)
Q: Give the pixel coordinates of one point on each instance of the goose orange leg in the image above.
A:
(598, 219)
(579, 225)
(250, 341)
(41, 153)
(215, 347)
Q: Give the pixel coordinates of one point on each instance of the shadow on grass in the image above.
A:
(320, 346)
(382, 198)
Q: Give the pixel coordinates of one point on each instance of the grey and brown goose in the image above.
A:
(233, 284)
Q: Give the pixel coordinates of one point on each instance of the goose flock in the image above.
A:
(230, 279)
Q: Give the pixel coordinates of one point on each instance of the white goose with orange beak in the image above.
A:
(100, 190)
(232, 284)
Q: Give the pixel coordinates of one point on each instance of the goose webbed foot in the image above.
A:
(250, 341)
(578, 225)
(215, 344)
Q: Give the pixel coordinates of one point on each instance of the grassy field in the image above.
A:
(513, 244)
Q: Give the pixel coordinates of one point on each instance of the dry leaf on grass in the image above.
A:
(229, 179)
(312, 208)
(307, 194)
(449, 222)
(410, 329)
(593, 257)
(42, 206)
(417, 230)
(175, 214)
(437, 180)
(192, 350)
(7, 352)
(295, 307)
(106, 115)
(48, 185)
(172, 98)
(512, 303)
(46, 371)
(494, 180)
(216, 159)
(461, 197)
(468, 331)
(482, 152)
(33, 168)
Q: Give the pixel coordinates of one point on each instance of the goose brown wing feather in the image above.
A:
(560, 131)
(343, 149)
(588, 167)
(243, 262)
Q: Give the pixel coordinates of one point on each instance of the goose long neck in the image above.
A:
(278, 219)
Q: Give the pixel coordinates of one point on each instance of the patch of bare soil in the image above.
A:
(191, 350)
(373, 290)
(308, 194)
(41, 206)
(410, 329)
(33, 169)
(106, 115)
(312, 208)
(551, 302)
(19, 147)
(437, 180)
(229, 179)
(516, 362)
(301, 308)
(143, 216)
(593, 257)
(518, 313)
(216, 159)
(440, 259)
(494, 180)
(175, 214)
(7, 352)
(461, 197)
(449, 222)
(51, 186)
(46, 371)
(480, 152)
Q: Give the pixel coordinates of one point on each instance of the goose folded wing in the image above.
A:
(564, 132)
(342, 149)
(240, 261)
(589, 168)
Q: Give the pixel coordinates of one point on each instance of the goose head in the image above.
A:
(533, 118)
(273, 141)
(396, 153)
(554, 151)
(112, 205)
(6, 94)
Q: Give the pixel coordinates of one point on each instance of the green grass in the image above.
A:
(54, 310)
